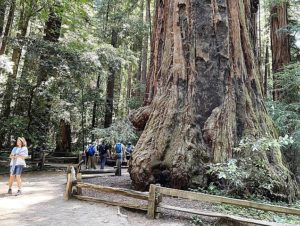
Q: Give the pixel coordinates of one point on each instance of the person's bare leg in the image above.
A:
(10, 183)
(19, 182)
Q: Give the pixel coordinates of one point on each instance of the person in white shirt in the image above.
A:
(18, 155)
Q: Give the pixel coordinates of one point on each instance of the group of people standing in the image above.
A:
(101, 152)
(20, 152)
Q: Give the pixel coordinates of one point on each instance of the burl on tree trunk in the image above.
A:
(206, 97)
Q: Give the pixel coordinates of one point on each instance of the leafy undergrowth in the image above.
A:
(260, 214)
(249, 212)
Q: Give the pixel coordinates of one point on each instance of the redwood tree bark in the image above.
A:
(279, 43)
(95, 106)
(145, 46)
(109, 108)
(207, 96)
(63, 139)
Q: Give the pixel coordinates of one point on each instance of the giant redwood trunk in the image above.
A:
(206, 96)
(279, 42)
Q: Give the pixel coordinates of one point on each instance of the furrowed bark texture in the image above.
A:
(279, 43)
(207, 95)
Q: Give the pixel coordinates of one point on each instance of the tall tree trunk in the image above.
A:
(9, 23)
(157, 34)
(207, 98)
(145, 46)
(267, 69)
(3, 4)
(16, 56)
(110, 86)
(63, 139)
(129, 81)
(40, 106)
(279, 43)
(94, 117)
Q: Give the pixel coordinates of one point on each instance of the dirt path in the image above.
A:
(42, 204)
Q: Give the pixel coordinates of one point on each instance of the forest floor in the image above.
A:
(42, 203)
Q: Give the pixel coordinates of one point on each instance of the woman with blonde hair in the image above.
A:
(18, 155)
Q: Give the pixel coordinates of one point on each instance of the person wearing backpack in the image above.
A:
(119, 150)
(90, 155)
(128, 151)
(103, 153)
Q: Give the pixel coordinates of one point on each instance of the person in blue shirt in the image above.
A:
(91, 150)
(18, 155)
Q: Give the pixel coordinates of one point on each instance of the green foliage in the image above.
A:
(286, 112)
(120, 131)
(196, 221)
(6, 65)
(58, 80)
(259, 214)
(137, 99)
(249, 175)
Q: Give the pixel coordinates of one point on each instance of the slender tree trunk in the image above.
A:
(94, 117)
(3, 5)
(16, 56)
(129, 81)
(279, 43)
(145, 46)
(207, 98)
(267, 69)
(8, 26)
(110, 87)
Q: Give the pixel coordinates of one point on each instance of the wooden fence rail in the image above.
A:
(223, 200)
(155, 194)
(120, 191)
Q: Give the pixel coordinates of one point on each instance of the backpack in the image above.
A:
(91, 150)
(102, 149)
(128, 149)
(118, 148)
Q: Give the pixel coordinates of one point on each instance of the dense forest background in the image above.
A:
(72, 71)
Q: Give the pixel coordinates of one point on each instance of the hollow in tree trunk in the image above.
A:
(206, 97)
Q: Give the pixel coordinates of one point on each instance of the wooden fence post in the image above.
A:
(68, 187)
(153, 201)
(79, 179)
